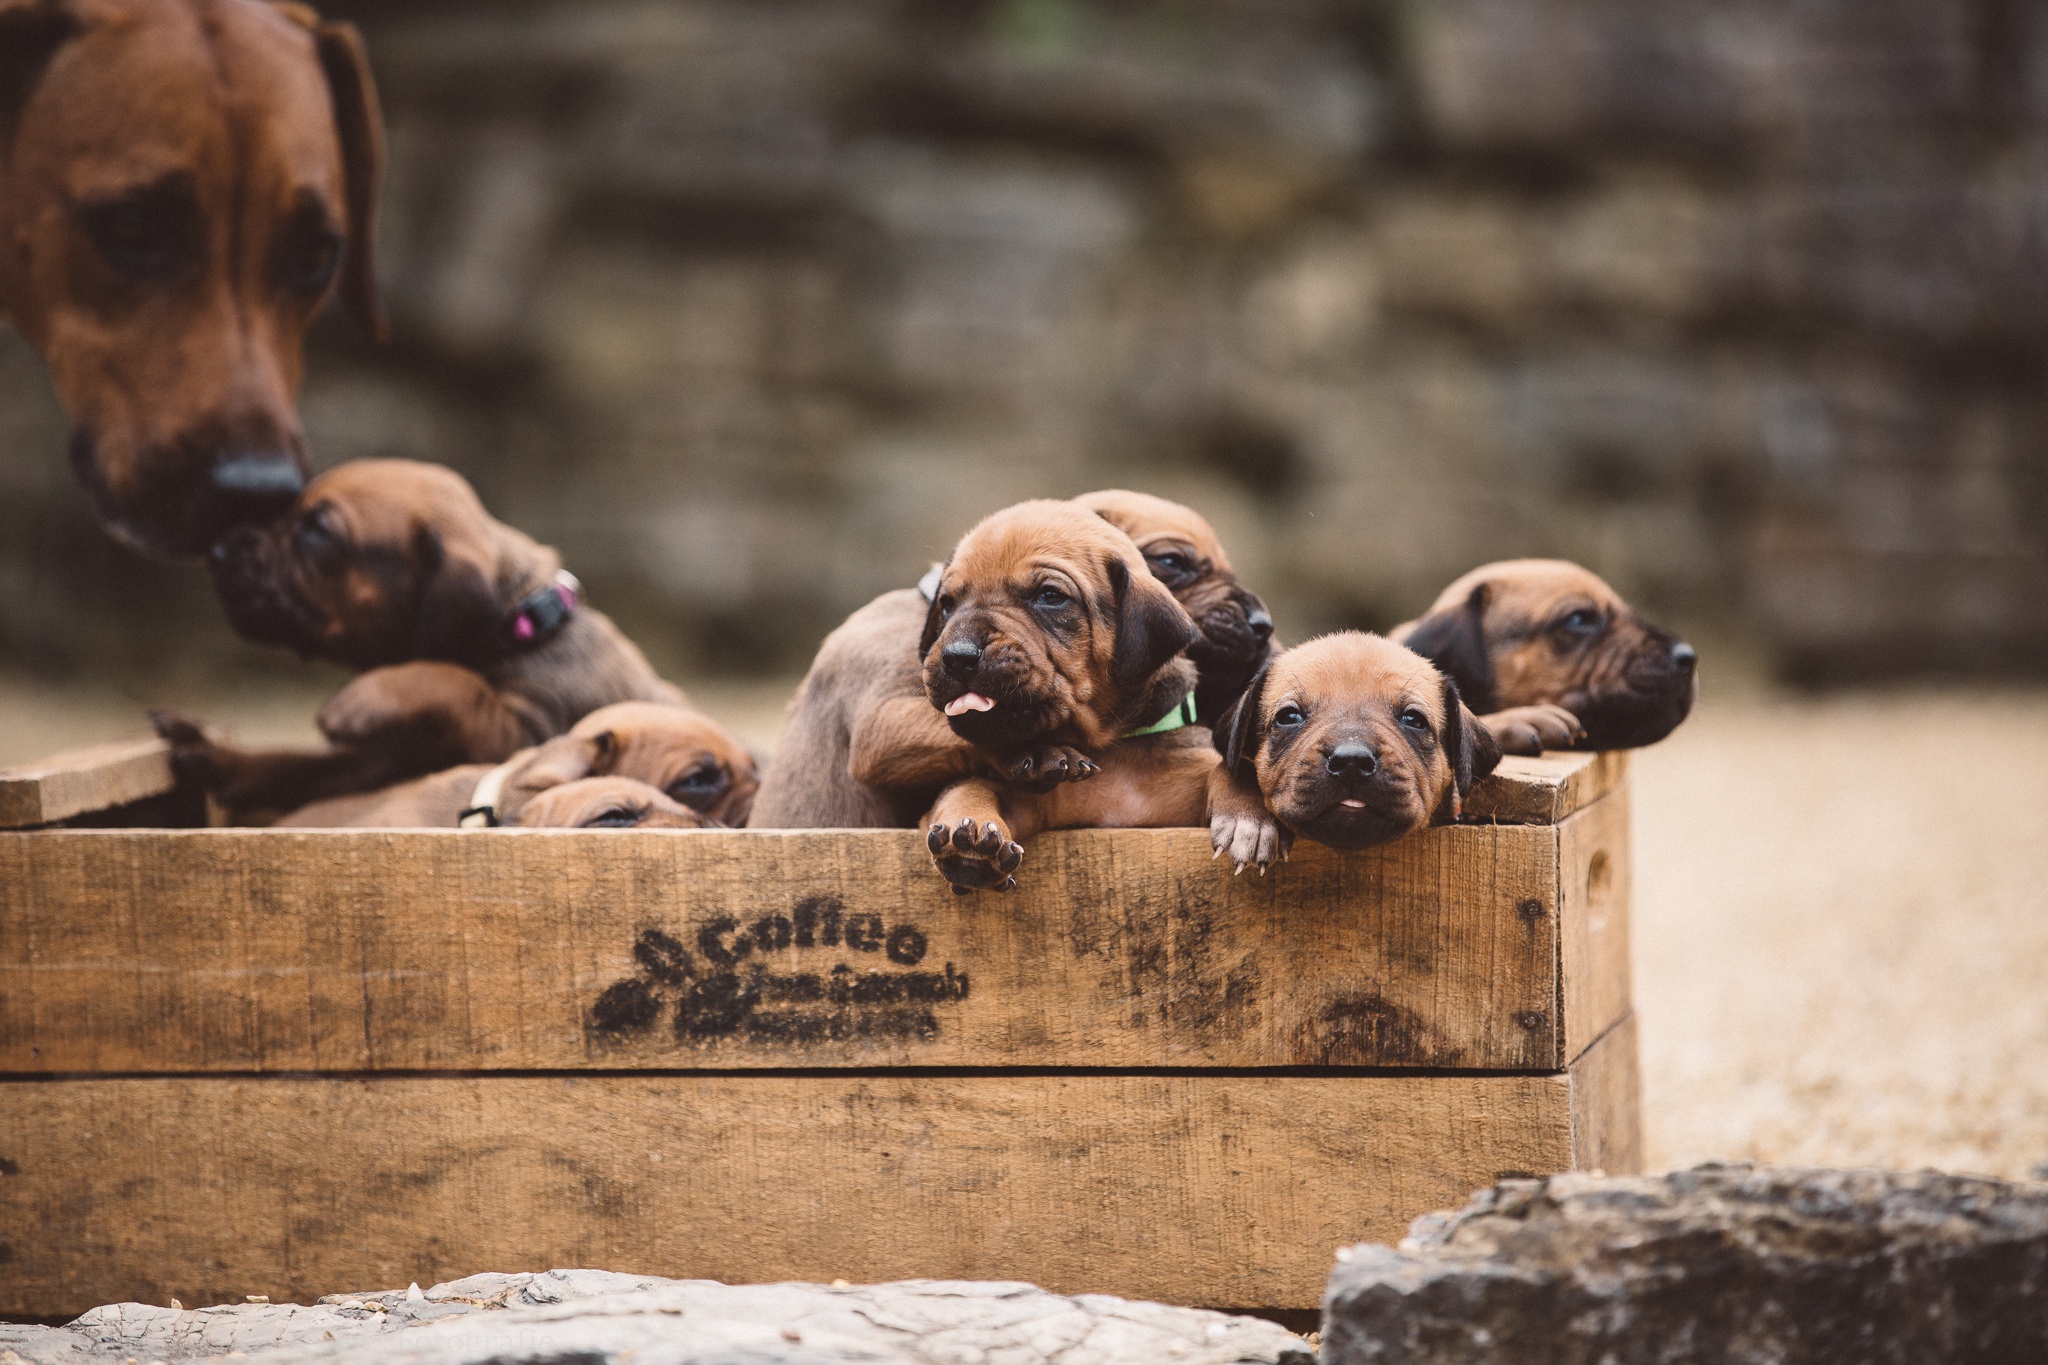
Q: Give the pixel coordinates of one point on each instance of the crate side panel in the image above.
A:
(1593, 901)
(1228, 1191)
(1607, 1104)
(83, 780)
(284, 950)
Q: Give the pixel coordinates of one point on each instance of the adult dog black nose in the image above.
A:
(1685, 656)
(1260, 621)
(1352, 760)
(961, 658)
(258, 483)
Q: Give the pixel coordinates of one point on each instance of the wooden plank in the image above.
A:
(1607, 1104)
(84, 780)
(1218, 1190)
(1544, 790)
(266, 950)
(1593, 907)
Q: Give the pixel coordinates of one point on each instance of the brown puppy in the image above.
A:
(606, 803)
(1181, 549)
(1354, 740)
(676, 750)
(1525, 637)
(473, 640)
(181, 182)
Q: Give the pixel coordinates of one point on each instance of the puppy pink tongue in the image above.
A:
(969, 701)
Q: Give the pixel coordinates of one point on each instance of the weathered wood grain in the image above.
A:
(1593, 912)
(84, 780)
(1218, 1190)
(285, 950)
(1607, 1104)
(1546, 789)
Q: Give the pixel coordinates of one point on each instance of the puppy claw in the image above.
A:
(1007, 884)
(936, 839)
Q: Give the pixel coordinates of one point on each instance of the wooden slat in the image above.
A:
(84, 780)
(1607, 1104)
(229, 950)
(1593, 913)
(1218, 1190)
(1544, 790)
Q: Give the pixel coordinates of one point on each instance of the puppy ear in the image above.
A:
(31, 31)
(566, 758)
(360, 123)
(1455, 641)
(1151, 627)
(934, 621)
(1237, 735)
(1469, 749)
(459, 618)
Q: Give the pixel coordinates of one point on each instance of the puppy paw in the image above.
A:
(975, 859)
(1041, 767)
(375, 703)
(1248, 838)
(197, 758)
(1529, 730)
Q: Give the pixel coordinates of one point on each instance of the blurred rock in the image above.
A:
(596, 1316)
(1803, 1267)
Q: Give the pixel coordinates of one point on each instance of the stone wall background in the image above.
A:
(751, 306)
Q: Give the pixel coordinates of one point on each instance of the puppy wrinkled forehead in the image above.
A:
(384, 498)
(1030, 535)
(1354, 668)
(1530, 586)
(1146, 518)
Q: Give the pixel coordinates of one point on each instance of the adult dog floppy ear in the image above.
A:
(1237, 730)
(1151, 627)
(360, 123)
(1470, 750)
(1455, 641)
(31, 31)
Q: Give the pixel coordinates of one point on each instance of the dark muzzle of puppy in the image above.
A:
(1354, 740)
(1532, 633)
(1235, 631)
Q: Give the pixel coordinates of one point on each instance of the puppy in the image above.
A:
(1181, 549)
(472, 641)
(606, 803)
(676, 750)
(1353, 740)
(1047, 621)
(182, 183)
(862, 747)
(1526, 637)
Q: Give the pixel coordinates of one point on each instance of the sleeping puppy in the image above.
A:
(1526, 637)
(676, 750)
(1046, 622)
(471, 640)
(1181, 549)
(1353, 740)
(606, 803)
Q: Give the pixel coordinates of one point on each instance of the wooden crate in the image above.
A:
(291, 1062)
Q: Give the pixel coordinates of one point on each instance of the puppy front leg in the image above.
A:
(1529, 730)
(446, 709)
(972, 843)
(905, 743)
(1241, 826)
(249, 782)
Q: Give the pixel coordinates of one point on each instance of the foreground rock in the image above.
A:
(1721, 1263)
(591, 1317)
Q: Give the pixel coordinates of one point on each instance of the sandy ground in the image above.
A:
(1841, 932)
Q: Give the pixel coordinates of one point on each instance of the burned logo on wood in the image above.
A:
(721, 985)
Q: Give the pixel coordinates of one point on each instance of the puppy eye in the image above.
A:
(1170, 564)
(1290, 715)
(1415, 719)
(1581, 622)
(698, 786)
(946, 605)
(618, 817)
(1049, 596)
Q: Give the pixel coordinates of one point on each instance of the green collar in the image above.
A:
(1183, 713)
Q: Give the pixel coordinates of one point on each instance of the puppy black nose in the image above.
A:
(1352, 760)
(1260, 622)
(1685, 656)
(961, 658)
(259, 483)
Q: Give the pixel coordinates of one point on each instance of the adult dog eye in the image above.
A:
(150, 235)
(1415, 719)
(1290, 715)
(1049, 596)
(698, 786)
(308, 257)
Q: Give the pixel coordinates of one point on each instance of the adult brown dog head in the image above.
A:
(181, 181)
(1183, 552)
(605, 803)
(1354, 740)
(382, 562)
(1527, 631)
(1046, 622)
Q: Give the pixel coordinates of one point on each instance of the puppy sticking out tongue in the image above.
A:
(969, 701)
